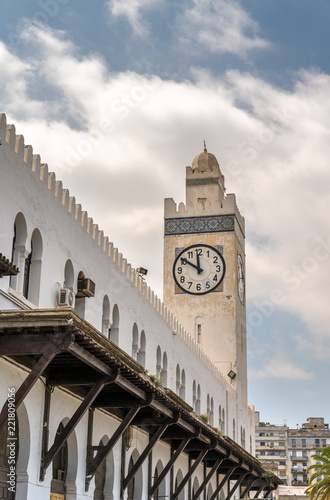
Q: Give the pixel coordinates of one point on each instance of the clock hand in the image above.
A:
(185, 261)
(199, 269)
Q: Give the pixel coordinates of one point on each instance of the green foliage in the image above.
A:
(320, 489)
(205, 417)
(217, 430)
(155, 380)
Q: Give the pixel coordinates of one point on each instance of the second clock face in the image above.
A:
(240, 279)
(199, 269)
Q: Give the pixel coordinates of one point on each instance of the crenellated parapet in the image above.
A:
(220, 212)
(32, 162)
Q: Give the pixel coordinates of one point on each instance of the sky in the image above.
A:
(117, 97)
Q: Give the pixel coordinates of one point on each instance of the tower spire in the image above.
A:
(205, 150)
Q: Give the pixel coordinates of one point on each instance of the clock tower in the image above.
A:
(204, 268)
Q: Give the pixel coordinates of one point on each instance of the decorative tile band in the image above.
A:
(189, 225)
(202, 182)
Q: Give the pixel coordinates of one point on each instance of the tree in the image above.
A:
(320, 489)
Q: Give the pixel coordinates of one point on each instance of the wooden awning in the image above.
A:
(64, 349)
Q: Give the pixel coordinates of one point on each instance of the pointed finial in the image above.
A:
(205, 150)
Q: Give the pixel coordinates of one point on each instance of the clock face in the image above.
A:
(199, 269)
(240, 279)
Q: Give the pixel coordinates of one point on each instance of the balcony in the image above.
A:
(295, 482)
(303, 458)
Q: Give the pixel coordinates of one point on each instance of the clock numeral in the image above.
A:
(215, 277)
(208, 253)
(215, 259)
(218, 268)
(198, 287)
(189, 284)
(199, 251)
(190, 255)
(182, 279)
(179, 270)
(207, 285)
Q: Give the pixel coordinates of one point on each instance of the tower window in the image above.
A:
(199, 333)
(27, 267)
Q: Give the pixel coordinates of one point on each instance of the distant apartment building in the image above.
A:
(272, 447)
(302, 443)
(287, 452)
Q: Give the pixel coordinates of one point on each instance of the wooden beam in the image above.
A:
(207, 479)
(33, 344)
(45, 426)
(49, 352)
(223, 482)
(267, 491)
(89, 359)
(69, 378)
(248, 487)
(115, 400)
(70, 426)
(259, 491)
(191, 470)
(170, 464)
(236, 485)
(103, 453)
(131, 388)
(156, 436)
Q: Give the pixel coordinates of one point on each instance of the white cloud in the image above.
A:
(121, 142)
(279, 367)
(133, 10)
(220, 26)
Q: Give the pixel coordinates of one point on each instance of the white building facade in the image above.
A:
(80, 333)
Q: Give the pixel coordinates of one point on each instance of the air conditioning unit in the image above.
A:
(86, 287)
(66, 297)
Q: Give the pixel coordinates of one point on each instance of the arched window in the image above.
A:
(198, 329)
(60, 467)
(198, 400)
(138, 345)
(178, 379)
(194, 395)
(100, 476)
(114, 330)
(180, 382)
(163, 373)
(223, 421)
(80, 301)
(182, 390)
(220, 418)
(32, 270)
(161, 366)
(243, 437)
(135, 341)
(69, 275)
(160, 493)
(19, 252)
(106, 316)
(26, 273)
(158, 362)
(141, 356)
(195, 487)
(234, 429)
(178, 481)
(251, 445)
(134, 489)
(209, 492)
(211, 412)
